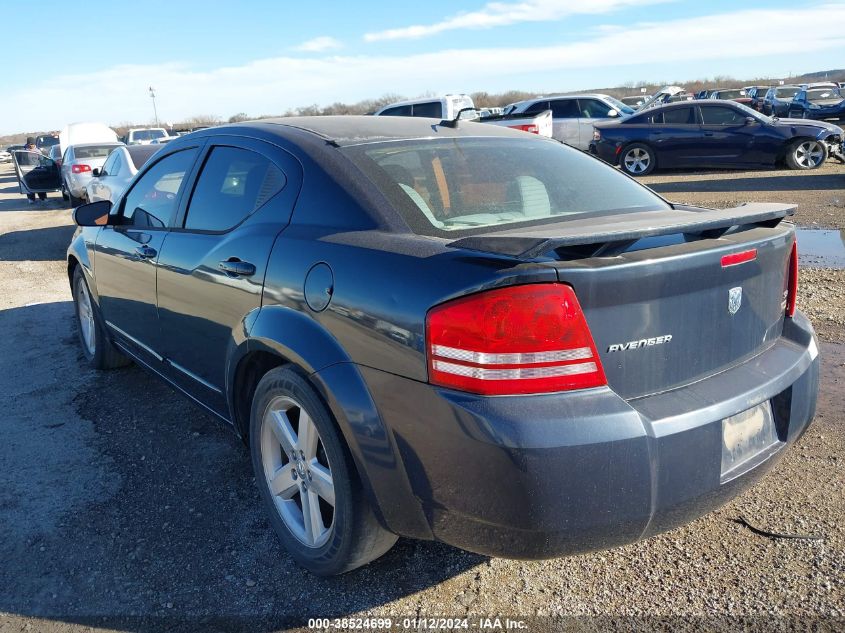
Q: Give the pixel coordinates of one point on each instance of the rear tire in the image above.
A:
(806, 154)
(97, 348)
(315, 500)
(637, 159)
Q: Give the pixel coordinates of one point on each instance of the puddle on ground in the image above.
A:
(821, 248)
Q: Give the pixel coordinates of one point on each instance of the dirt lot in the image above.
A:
(124, 507)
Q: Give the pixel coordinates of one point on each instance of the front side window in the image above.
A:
(594, 109)
(108, 166)
(720, 115)
(233, 183)
(151, 203)
(443, 187)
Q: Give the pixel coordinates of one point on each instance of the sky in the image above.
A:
(66, 62)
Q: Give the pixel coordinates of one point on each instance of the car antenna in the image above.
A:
(453, 123)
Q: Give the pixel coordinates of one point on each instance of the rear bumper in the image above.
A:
(549, 475)
(606, 151)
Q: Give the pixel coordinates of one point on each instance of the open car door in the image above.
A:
(36, 173)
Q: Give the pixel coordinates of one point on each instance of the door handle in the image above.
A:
(145, 252)
(236, 268)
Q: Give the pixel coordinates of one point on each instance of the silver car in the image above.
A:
(573, 115)
(78, 164)
(110, 180)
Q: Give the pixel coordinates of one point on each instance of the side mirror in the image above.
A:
(93, 213)
(750, 120)
(96, 172)
(612, 113)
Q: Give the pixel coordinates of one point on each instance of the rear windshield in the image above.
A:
(443, 186)
(92, 151)
(147, 135)
(47, 141)
(786, 93)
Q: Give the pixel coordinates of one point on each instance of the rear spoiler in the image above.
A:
(597, 235)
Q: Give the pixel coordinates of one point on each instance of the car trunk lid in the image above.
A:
(671, 300)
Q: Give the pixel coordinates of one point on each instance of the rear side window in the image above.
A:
(720, 115)
(537, 108)
(432, 110)
(233, 183)
(565, 109)
(679, 116)
(441, 187)
(404, 110)
(151, 203)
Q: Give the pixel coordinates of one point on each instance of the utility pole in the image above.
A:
(153, 96)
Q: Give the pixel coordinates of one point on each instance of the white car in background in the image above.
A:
(110, 180)
(145, 135)
(446, 107)
(573, 116)
(5, 157)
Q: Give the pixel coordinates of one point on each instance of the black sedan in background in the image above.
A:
(713, 134)
(818, 103)
(778, 99)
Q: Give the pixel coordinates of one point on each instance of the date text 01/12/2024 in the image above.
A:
(417, 624)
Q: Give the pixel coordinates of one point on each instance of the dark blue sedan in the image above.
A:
(713, 134)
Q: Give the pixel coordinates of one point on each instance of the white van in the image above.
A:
(445, 107)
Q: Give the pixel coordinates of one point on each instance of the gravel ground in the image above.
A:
(126, 508)
(818, 194)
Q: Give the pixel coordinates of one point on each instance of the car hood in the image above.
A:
(808, 126)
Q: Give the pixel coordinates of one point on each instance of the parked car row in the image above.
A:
(713, 133)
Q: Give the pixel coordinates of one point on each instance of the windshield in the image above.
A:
(819, 94)
(147, 135)
(47, 141)
(786, 93)
(442, 186)
(730, 94)
(620, 107)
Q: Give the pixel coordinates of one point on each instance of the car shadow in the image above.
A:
(129, 507)
(43, 244)
(799, 182)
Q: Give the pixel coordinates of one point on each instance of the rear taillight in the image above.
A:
(790, 294)
(533, 129)
(78, 169)
(514, 340)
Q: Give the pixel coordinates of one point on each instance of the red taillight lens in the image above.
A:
(78, 169)
(739, 258)
(515, 340)
(533, 129)
(791, 292)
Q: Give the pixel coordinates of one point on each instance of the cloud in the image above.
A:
(496, 14)
(274, 85)
(319, 45)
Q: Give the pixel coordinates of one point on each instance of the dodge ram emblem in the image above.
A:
(734, 299)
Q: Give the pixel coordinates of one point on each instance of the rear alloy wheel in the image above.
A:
(806, 154)
(638, 160)
(307, 479)
(98, 350)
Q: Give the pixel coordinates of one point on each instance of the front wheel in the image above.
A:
(806, 154)
(307, 480)
(638, 159)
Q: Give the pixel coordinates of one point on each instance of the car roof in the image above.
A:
(354, 130)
